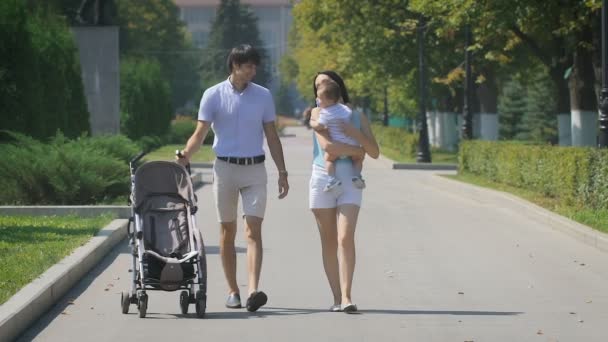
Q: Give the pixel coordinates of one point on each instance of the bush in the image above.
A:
(181, 130)
(574, 175)
(145, 99)
(397, 139)
(63, 171)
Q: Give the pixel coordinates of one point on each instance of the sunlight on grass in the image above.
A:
(437, 156)
(30, 245)
(204, 155)
(594, 218)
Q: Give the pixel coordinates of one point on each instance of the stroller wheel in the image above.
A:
(143, 305)
(201, 304)
(125, 301)
(184, 301)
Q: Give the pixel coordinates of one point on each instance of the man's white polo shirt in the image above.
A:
(237, 118)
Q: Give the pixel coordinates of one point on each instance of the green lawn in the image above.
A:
(205, 154)
(30, 245)
(437, 156)
(594, 218)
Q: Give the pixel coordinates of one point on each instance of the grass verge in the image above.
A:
(30, 245)
(167, 152)
(437, 156)
(594, 218)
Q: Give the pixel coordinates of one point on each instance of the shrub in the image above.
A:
(63, 171)
(145, 99)
(573, 174)
(181, 130)
(397, 139)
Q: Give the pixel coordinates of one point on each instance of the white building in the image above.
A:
(274, 20)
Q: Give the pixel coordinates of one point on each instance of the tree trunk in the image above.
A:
(583, 101)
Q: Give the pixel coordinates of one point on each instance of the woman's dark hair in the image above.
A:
(242, 54)
(336, 78)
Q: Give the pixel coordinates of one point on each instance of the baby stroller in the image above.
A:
(167, 248)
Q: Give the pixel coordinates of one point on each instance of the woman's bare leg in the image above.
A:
(347, 223)
(326, 222)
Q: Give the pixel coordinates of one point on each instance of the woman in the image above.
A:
(336, 215)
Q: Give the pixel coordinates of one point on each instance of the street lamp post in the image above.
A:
(603, 103)
(467, 126)
(424, 153)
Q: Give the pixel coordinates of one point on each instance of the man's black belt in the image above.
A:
(244, 161)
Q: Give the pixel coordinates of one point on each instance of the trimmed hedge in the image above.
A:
(574, 175)
(397, 139)
(63, 171)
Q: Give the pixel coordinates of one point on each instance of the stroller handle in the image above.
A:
(138, 157)
(179, 155)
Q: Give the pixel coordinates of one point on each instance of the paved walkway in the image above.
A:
(434, 264)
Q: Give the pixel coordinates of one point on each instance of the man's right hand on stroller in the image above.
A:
(182, 157)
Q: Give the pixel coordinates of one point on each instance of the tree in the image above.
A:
(145, 100)
(41, 89)
(511, 109)
(234, 24)
(539, 123)
(152, 29)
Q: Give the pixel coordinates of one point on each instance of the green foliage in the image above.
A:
(145, 99)
(525, 112)
(40, 84)
(571, 174)
(396, 139)
(63, 171)
(152, 29)
(234, 24)
(539, 122)
(511, 107)
(182, 129)
(30, 245)
(283, 103)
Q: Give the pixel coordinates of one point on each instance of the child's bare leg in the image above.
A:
(330, 166)
(358, 179)
(358, 165)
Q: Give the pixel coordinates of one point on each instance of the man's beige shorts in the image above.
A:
(231, 179)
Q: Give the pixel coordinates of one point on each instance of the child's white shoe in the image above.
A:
(359, 182)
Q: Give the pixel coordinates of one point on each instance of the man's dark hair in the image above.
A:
(334, 76)
(331, 90)
(242, 54)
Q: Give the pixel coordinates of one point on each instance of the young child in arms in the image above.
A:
(331, 117)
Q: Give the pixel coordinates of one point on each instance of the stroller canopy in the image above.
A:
(162, 178)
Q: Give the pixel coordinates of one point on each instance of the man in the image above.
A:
(240, 113)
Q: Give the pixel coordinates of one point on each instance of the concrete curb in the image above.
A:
(557, 222)
(121, 211)
(27, 305)
(425, 166)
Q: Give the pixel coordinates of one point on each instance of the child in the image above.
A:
(331, 116)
